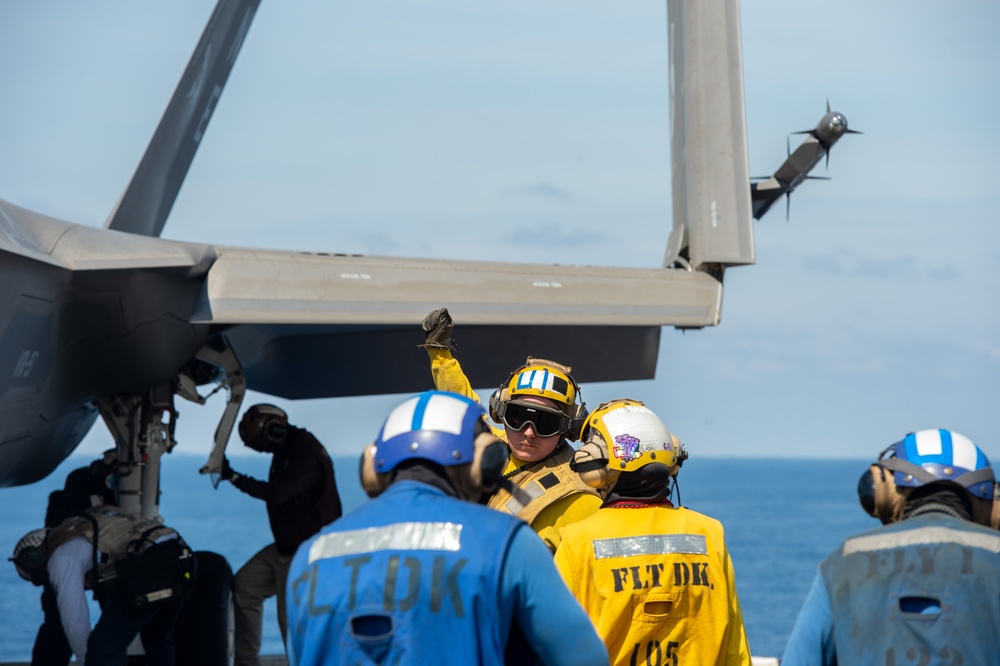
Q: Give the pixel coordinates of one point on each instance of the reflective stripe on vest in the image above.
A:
(650, 544)
(928, 535)
(399, 536)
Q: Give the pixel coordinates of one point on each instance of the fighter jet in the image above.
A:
(117, 322)
(796, 168)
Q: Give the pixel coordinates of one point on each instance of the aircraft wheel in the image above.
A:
(204, 634)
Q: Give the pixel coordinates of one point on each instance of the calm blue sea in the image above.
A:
(781, 518)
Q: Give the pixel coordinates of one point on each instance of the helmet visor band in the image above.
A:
(545, 423)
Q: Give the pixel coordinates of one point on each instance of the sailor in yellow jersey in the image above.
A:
(538, 405)
(656, 579)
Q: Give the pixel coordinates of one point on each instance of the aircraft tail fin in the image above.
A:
(712, 225)
(146, 202)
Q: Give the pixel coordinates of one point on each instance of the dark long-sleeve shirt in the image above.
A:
(300, 491)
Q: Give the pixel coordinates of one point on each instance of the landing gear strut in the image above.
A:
(142, 424)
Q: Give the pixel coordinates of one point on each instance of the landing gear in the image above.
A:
(142, 424)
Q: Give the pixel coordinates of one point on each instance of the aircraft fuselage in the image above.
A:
(71, 332)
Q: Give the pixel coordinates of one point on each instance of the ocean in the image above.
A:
(781, 516)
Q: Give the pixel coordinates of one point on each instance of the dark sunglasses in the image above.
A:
(543, 422)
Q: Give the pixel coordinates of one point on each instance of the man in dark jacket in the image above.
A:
(301, 496)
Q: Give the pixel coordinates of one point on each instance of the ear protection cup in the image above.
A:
(578, 416)
(987, 512)
(879, 495)
(374, 483)
(866, 491)
(497, 398)
(275, 429)
(483, 474)
(682, 452)
(266, 420)
(488, 462)
(590, 462)
(995, 514)
(984, 512)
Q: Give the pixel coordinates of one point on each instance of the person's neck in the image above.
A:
(428, 475)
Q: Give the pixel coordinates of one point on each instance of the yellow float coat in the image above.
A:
(554, 495)
(658, 584)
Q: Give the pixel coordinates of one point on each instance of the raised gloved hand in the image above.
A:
(227, 473)
(437, 327)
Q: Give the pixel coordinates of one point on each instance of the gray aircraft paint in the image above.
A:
(103, 316)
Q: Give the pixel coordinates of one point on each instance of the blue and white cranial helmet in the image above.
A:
(435, 425)
(930, 456)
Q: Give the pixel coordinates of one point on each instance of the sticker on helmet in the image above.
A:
(627, 448)
(635, 430)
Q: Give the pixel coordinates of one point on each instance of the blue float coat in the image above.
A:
(923, 590)
(452, 600)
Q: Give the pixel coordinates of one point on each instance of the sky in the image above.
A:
(529, 131)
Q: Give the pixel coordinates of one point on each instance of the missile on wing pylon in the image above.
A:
(796, 168)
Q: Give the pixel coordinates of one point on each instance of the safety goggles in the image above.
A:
(545, 423)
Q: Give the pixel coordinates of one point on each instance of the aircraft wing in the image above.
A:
(118, 311)
(296, 319)
(285, 313)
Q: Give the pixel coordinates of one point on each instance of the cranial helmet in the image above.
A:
(923, 458)
(31, 557)
(104, 476)
(263, 427)
(443, 428)
(540, 378)
(624, 436)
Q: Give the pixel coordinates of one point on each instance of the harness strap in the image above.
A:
(906, 467)
(95, 571)
(133, 545)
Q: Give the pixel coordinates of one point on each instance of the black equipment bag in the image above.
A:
(161, 574)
